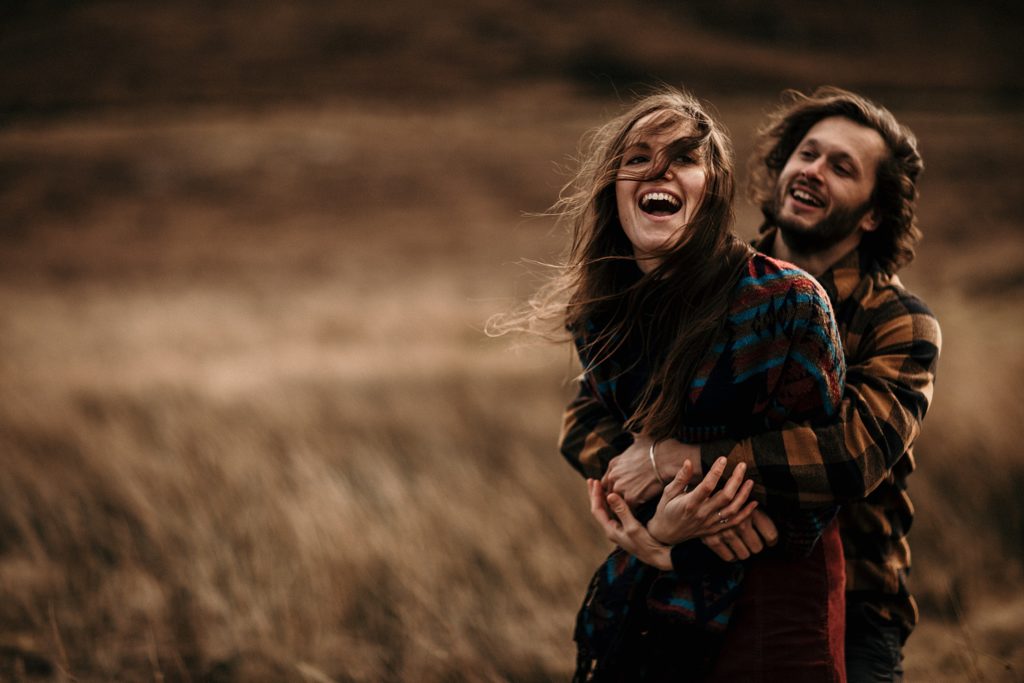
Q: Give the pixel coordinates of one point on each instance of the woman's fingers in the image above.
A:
(622, 511)
(715, 524)
(679, 482)
(598, 508)
(731, 508)
(602, 506)
(734, 487)
(708, 484)
(732, 484)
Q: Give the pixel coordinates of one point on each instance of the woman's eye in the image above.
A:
(684, 159)
(638, 159)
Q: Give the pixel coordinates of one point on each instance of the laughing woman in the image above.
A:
(685, 334)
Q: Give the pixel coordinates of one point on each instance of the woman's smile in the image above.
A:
(659, 204)
(657, 197)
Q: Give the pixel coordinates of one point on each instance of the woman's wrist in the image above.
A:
(654, 464)
(661, 535)
(671, 456)
(662, 558)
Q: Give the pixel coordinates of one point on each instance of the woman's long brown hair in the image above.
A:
(684, 299)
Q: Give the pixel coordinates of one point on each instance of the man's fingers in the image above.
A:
(750, 537)
(718, 547)
(611, 474)
(765, 527)
(735, 544)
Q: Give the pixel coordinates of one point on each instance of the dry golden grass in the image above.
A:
(251, 429)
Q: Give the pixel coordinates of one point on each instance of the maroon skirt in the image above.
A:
(789, 621)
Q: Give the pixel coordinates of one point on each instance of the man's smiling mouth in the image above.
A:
(805, 197)
(659, 203)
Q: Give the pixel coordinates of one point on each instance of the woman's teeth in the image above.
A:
(659, 203)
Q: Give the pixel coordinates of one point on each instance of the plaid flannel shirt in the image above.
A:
(861, 459)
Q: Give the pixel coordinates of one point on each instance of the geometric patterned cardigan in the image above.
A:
(776, 359)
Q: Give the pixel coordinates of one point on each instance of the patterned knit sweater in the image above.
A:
(776, 359)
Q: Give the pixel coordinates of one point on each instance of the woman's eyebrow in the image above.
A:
(638, 143)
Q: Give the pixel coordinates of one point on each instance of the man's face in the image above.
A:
(823, 194)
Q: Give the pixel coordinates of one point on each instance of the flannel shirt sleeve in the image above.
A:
(889, 385)
(808, 388)
(591, 435)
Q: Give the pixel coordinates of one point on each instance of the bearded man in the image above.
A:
(835, 176)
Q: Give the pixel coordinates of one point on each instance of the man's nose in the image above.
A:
(814, 169)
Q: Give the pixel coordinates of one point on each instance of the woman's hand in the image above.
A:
(631, 474)
(625, 531)
(683, 515)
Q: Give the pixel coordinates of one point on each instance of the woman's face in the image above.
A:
(653, 213)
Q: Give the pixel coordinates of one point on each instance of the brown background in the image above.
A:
(250, 426)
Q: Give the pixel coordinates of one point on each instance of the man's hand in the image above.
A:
(631, 475)
(682, 514)
(624, 530)
(748, 538)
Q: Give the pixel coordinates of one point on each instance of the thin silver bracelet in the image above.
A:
(654, 465)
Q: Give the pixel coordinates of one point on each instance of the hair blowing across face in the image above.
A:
(685, 299)
(894, 198)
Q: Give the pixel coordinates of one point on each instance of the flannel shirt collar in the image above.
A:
(840, 281)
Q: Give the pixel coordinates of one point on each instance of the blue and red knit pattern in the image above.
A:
(778, 355)
(777, 358)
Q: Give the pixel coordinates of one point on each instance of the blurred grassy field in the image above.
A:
(250, 426)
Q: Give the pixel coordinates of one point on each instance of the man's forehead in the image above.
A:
(840, 135)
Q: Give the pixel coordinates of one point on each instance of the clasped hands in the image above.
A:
(725, 521)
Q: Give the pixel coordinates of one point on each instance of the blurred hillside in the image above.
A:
(250, 427)
(61, 55)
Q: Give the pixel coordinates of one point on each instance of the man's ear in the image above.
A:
(869, 221)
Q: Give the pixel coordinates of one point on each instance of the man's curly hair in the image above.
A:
(895, 194)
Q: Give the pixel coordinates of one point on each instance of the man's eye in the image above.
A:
(843, 171)
(807, 155)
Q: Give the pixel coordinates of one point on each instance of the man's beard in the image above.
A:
(836, 226)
